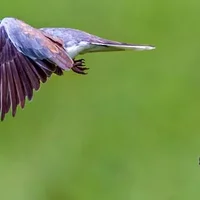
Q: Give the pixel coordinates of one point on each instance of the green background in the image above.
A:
(130, 129)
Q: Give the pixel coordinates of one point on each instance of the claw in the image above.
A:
(79, 66)
(80, 70)
(80, 60)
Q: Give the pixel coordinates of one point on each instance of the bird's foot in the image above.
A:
(79, 66)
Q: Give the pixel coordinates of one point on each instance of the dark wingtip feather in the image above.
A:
(4, 90)
(58, 71)
(28, 68)
(28, 91)
(19, 88)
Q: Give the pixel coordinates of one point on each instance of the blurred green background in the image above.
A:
(130, 129)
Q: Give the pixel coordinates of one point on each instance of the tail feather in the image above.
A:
(124, 46)
(116, 46)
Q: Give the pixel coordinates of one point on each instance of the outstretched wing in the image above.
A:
(26, 58)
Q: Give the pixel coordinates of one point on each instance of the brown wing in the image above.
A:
(19, 75)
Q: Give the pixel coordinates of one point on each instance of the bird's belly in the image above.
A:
(74, 50)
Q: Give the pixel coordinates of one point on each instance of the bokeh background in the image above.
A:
(130, 129)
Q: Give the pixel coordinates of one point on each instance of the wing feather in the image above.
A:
(32, 76)
(21, 72)
(28, 90)
(17, 81)
(4, 89)
(12, 90)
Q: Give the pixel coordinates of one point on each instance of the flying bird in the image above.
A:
(29, 56)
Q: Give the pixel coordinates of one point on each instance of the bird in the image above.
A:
(29, 56)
